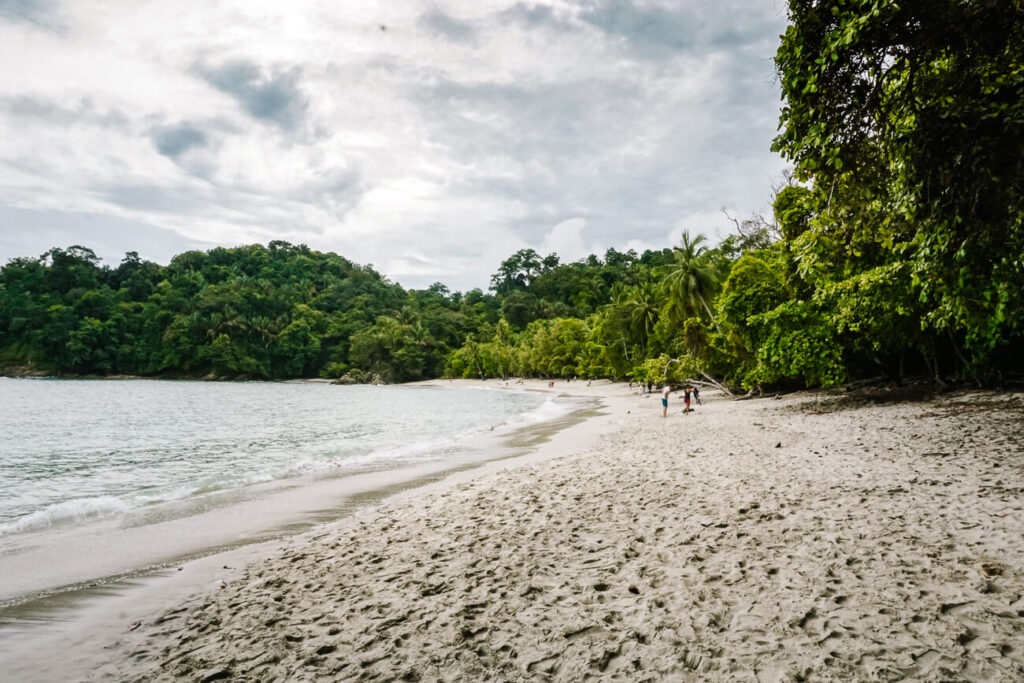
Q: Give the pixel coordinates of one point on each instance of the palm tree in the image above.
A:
(690, 281)
(643, 311)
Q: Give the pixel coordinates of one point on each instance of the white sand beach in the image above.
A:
(812, 537)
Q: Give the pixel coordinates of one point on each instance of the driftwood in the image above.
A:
(755, 392)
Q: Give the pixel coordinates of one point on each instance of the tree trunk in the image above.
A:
(750, 394)
(963, 361)
(935, 367)
(718, 385)
(711, 317)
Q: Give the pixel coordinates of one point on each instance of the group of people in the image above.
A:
(688, 390)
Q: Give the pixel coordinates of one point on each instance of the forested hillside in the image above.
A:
(896, 248)
(273, 312)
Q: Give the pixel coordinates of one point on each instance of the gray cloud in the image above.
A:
(657, 32)
(533, 16)
(149, 198)
(651, 31)
(39, 13)
(569, 142)
(57, 113)
(438, 23)
(26, 8)
(634, 116)
(271, 94)
(335, 191)
(632, 152)
(173, 141)
(554, 121)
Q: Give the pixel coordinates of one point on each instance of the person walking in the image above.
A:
(664, 399)
(687, 390)
(696, 395)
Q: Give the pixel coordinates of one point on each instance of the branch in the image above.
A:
(718, 385)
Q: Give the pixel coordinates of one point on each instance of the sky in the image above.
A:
(429, 139)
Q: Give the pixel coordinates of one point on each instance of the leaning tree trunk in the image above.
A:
(711, 316)
(717, 385)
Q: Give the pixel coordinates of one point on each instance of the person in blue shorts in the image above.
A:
(664, 399)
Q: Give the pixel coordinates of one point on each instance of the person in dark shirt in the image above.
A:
(687, 390)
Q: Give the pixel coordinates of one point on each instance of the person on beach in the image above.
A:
(696, 395)
(686, 398)
(664, 399)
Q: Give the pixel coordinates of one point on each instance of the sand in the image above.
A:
(805, 538)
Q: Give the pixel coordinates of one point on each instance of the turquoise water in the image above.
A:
(76, 451)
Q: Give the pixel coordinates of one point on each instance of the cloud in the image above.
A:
(567, 124)
(39, 13)
(438, 23)
(150, 198)
(173, 141)
(533, 16)
(268, 94)
(650, 30)
(29, 232)
(566, 240)
(665, 30)
(84, 111)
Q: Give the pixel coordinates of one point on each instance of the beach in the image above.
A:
(812, 536)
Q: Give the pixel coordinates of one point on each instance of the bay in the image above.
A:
(101, 479)
(76, 450)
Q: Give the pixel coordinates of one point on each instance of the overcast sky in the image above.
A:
(430, 139)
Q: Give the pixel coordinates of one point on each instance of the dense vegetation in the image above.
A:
(897, 248)
(259, 312)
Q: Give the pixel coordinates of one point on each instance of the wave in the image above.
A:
(68, 511)
(549, 410)
(279, 465)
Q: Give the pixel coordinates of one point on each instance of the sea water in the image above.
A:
(106, 479)
(73, 451)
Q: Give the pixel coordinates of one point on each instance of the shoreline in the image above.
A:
(24, 554)
(81, 613)
(803, 537)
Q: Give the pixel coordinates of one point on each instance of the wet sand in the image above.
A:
(810, 537)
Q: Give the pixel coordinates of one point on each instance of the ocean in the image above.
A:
(100, 478)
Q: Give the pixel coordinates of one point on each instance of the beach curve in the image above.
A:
(759, 540)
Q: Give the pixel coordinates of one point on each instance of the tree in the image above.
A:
(74, 268)
(519, 308)
(907, 118)
(517, 271)
(690, 281)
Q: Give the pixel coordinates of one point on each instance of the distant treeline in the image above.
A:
(897, 248)
(274, 312)
(731, 314)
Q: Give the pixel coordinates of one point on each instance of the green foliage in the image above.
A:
(250, 312)
(799, 344)
(651, 370)
(754, 287)
(663, 369)
(690, 281)
(908, 119)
